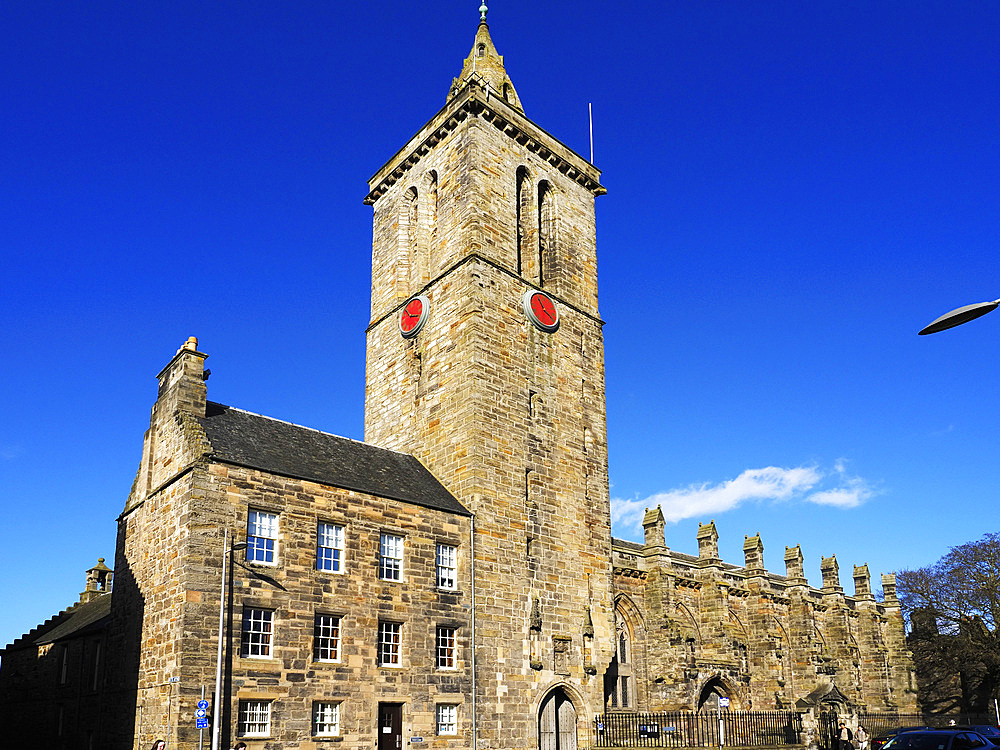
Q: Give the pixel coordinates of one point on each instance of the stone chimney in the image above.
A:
(889, 589)
(862, 582)
(99, 580)
(182, 382)
(831, 575)
(793, 566)
(173, 440)
(753, 554)
(708, 541)
(653, 526)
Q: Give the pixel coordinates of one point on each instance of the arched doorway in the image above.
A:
(557, 722)
(710, 694)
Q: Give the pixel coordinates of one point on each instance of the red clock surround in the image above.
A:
(413, 316)
(541, 310)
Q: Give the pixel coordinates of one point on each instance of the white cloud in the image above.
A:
(770, 484)
(850, 491)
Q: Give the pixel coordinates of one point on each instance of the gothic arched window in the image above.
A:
(522, 208)
(407, 248)
(619, 680)
(546, 231)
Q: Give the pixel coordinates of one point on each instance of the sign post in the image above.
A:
(201, 720)
(723, 703)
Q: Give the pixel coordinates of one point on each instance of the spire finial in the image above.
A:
(483, 10)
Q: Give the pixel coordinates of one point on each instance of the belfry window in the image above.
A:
(522, 208)
(406, 252)
(546, 231)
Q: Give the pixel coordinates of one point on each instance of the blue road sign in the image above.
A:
(202, 724)
(202, 704)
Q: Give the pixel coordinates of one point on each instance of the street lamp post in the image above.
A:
(217, 709)
(959, 315)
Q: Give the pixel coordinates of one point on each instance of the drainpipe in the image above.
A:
(472, 573)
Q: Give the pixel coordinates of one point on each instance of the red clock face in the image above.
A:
(544, 309)
(412, 318)
(541, 310)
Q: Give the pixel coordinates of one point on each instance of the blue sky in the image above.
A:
(794, 190)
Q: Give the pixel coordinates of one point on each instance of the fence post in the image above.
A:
(811, 727)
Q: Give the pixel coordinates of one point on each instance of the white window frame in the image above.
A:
(390, 644)
(326, 719)
(390, 557)
(326, 630)
(447, 718)
(447, 567)
(447, 647)
(262, 537)
(255, 718)
(258, 633)
(330, 547)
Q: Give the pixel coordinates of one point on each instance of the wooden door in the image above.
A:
(557, 723)
(566, 721)
(390, 726)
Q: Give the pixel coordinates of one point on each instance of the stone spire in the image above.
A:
(485, 66)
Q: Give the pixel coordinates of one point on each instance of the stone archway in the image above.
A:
(557, 722)
(708, 699)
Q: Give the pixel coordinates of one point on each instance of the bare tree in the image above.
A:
(953, 607)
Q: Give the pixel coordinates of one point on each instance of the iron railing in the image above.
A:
(698, 729)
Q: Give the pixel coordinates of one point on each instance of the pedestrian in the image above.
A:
(240, 746)
(861, 736)
(159, 745)
(844, 737)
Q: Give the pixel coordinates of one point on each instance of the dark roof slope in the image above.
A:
(257, 442)
(82, 618)
(79, 619)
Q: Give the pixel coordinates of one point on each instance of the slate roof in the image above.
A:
(79, 619)
(626, 544)
(245, 439)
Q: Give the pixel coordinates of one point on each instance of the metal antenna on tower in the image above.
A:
(590, 113)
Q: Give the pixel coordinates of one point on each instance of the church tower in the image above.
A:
(485, 360)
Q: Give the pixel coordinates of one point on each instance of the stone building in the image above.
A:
(693, 629)
(52, 678)
(451, 581)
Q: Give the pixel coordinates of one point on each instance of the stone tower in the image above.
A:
(485, 361)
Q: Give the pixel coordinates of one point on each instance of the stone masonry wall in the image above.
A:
(770, 641)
